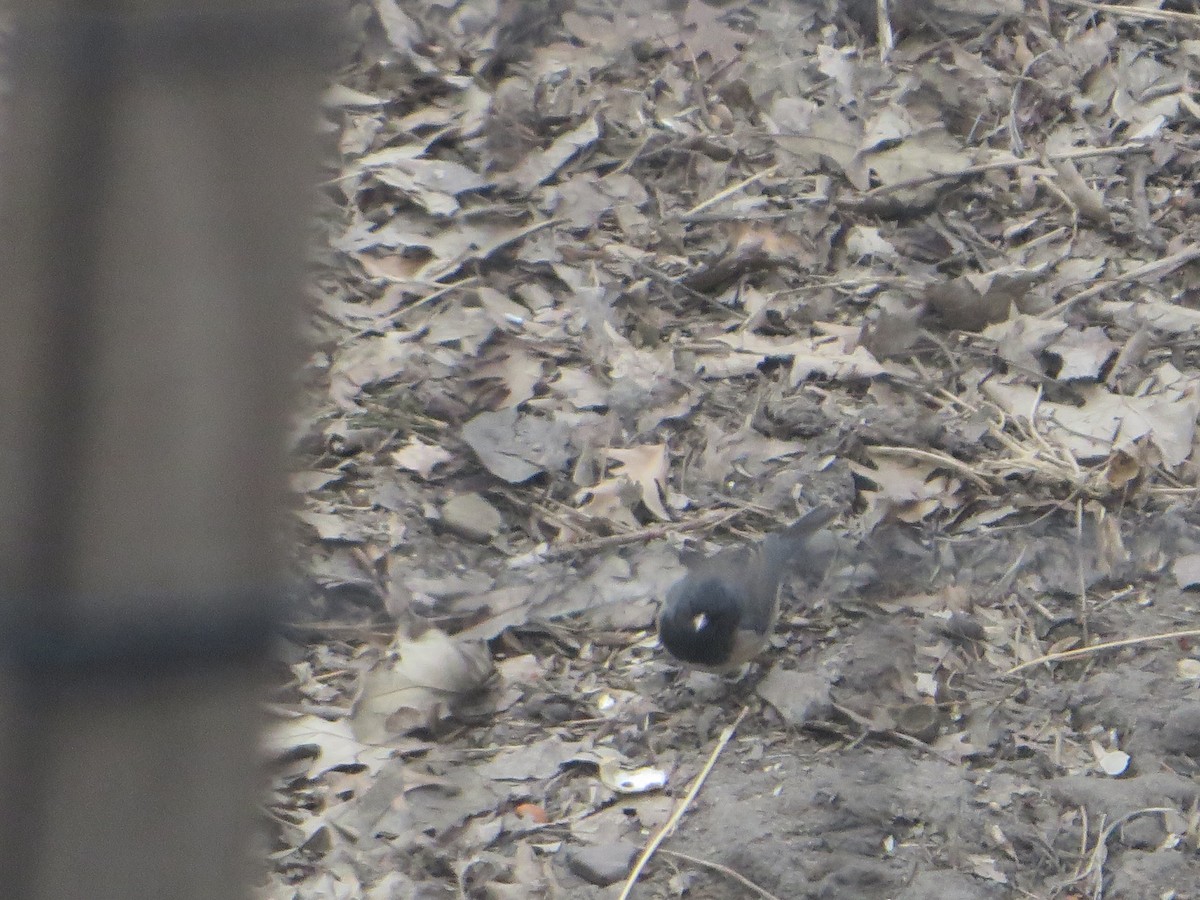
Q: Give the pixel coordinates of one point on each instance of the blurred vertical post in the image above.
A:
(156, 169)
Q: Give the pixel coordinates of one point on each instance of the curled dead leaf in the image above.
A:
(972, 302)
(515, 446)
(420, 457)
(646, 466)
(425, 679)
(319, 745)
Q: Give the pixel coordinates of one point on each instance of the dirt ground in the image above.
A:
(605, 282)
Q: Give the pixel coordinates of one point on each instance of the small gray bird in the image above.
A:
(722, 612)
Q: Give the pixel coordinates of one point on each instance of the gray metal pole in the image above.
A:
(154, 180)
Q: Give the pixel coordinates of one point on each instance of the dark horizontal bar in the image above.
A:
(239, 37)
(138, 644)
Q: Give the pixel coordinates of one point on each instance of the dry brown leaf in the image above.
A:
(647, 367)
(370, 361)
(1165, 316)
(306, 482)
(1084, 353)
(540, 167)
(435, 184)
(957, 747)
(1105, 422)
(646, 466)
(931, 150)
(420, 457)
(828, 360)
(816, 132)
(908, 490)
(538, 759)
(1186, 570)
(836, 357)
(612, 500)
(704, 32)
(513, 366)
(1021, 339)
(399, 27)
(515, 446)
(324, 744)
(580, 388)
(467, 327)
(420, 681)
(332, 526)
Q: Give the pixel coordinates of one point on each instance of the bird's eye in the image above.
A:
(700, 622)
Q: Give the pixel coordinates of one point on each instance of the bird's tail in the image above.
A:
(782, 547)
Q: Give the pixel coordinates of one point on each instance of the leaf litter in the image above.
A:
(644, 279)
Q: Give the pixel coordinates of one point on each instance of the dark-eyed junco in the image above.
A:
(721, 613)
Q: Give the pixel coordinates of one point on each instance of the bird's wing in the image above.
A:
(755, 572)
(780, 549)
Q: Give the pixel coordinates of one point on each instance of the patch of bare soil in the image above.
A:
(604, 281)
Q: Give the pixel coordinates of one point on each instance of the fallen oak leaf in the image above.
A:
(517, 446)
(424, 679)
(322, 744)
(646, 466)
(420, 457)
(612, 500)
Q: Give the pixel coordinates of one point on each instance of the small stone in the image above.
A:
(1181, 733)
(919, 720)
(603, 864)
(1144, 832)
(964, 629)
(472, 517)
(798, 697)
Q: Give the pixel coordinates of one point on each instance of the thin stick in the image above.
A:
(930, 456)
(669, 827)
(732, 189)
(1083, 595)
(869, 728)
(724, 870)
(883, 29)
(1128, 12)
(1141, 273)
(640, 536)
(1099, 854)
(1107, 645)
(997, 164)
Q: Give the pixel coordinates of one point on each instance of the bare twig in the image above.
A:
(938, 459)
(870, 728)
(1107, 645)
(1084, 619)
(883, 28)
(1134, 12)
(669, 827)
(729, 191)
(724, 870)
(1013, 163)
(1141, 273)
(641, 535)
(1099, 854)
